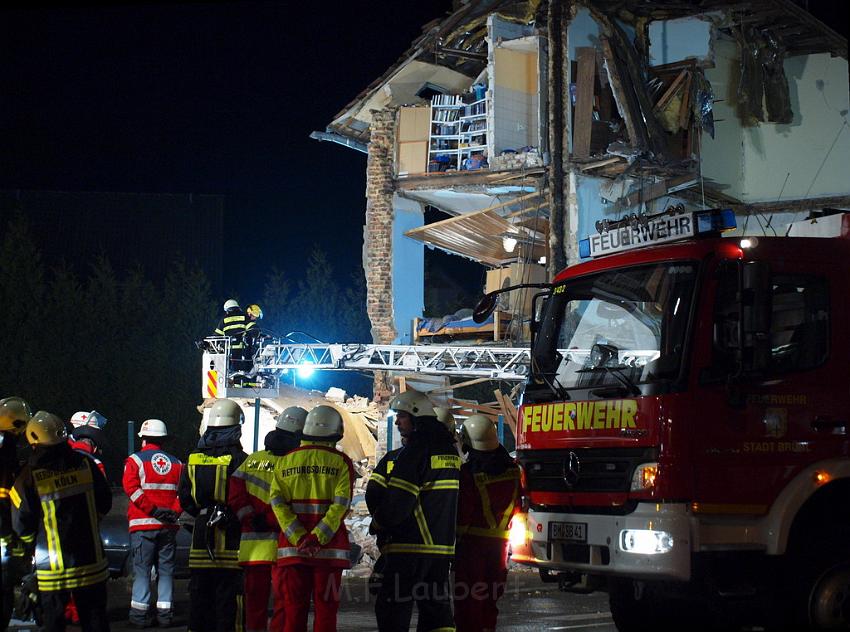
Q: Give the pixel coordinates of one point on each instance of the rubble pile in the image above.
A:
(527, 157)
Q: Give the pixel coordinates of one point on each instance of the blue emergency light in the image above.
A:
(657, 229)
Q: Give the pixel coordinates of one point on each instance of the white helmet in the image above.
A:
(46, 429)
(80, 418)
(479, 433)
(292, 419)
(414, 403)
(230, 304)
(445, 417)
(323, 423)
(153, 428)
(225, 412)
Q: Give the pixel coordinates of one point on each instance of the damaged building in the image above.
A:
(530, 125)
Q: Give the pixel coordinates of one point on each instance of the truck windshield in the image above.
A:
(616, 328)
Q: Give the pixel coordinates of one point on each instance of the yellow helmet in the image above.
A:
(445, 417)
(479, 433)
(414, 403)
(45, 429)
(255, 311)
(14, 415)
(225, 412)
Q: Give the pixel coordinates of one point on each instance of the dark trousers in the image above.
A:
(410, 579)
(481, 574)
(215, 600)
(91, 604)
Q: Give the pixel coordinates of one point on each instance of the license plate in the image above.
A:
(568, 531)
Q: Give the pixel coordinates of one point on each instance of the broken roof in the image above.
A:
(457, 42)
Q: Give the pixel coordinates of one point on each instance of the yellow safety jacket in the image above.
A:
(249, 496)
(418, 511)
(311, 493)
(203, 486)
(64, 491)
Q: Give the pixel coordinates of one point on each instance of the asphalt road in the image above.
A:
(528, 605)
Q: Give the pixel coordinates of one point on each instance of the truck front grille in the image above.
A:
(599, 469)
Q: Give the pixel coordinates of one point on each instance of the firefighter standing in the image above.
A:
(233, 325)
(249, 498)
(419, 514)
(150, 482)
(14, 415)
(63, 491)
(489, 494)
(310, 495)
(215, 579)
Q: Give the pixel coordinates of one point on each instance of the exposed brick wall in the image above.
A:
(378, 236)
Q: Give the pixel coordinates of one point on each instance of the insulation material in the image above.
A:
(762, 79)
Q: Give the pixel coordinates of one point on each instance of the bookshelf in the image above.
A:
(458, 130)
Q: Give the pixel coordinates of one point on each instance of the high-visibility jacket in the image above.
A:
(150, 481)
(9, 468)
(488, 501)
(203, 485)
(249, 496)
(62, 491)
(311, 493)
(86, 449)
(233, 326)
(418, 511)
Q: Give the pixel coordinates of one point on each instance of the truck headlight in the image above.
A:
(645, 541)
(643, 480)
(518, 534)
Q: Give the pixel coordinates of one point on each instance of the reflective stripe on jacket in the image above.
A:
(57, 500)
(150, 481)
(233, 326)
(487, 502)
(250, 487)
(311, 493)
(418, 511)
(9, 468)
(203, 485)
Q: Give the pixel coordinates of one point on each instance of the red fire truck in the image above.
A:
(683, 434)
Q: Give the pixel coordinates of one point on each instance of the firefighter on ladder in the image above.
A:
(215, 579)
(14, 415)
(418, 515)
(249, 498)
(233, 325)
(310, 495)
(489, 495)
(150, 482)
(62, 491)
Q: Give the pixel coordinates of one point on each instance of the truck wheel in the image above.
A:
(829, 599)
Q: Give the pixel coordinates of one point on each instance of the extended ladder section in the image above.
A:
(504, 363)
(224, 377)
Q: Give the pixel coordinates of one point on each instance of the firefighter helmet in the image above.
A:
(80, 418)
(445, 417)
(225, 412)
(414, 403)
(14, 415)
(255, 311)
(323, 423)
(153, 428)
(479, 433)
(45, 429)
(230, 304)
(292, 419)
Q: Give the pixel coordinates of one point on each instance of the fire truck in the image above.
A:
(683, 433)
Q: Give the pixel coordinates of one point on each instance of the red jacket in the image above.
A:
(88, 450)
(486, 505)
(150, 481)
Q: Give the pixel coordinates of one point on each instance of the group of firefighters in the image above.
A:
(269, 524)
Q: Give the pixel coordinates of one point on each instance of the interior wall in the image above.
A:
(582, 32)
(408, 268)
(723, 155)
(515, 100)
(671, 41)
(814, 150)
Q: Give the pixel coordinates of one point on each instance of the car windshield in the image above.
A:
(616, 328)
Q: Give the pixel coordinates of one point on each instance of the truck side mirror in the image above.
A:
(485, 307)
(756, 311)
(538, 308)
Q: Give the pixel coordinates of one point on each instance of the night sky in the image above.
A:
(208, 98)
(204, 98)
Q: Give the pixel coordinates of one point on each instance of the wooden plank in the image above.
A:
(508, 410)
(671, 91)
(455, 219)
(487, 410)
(583, 118)
(600, 163)
(402, 384)
(443, 389)
(621, 96)
(685, 110)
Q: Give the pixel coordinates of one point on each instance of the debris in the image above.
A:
(335, 394)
